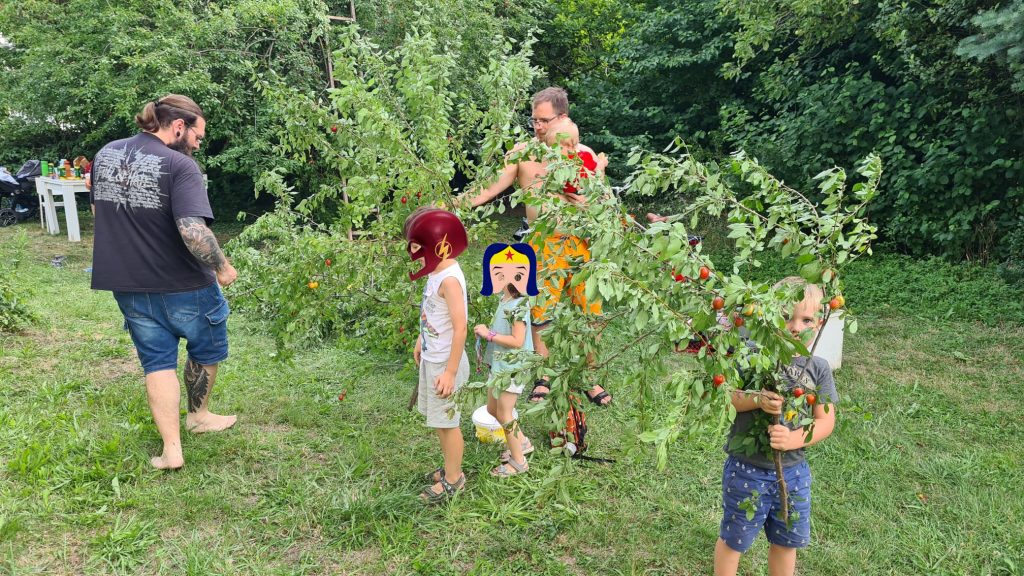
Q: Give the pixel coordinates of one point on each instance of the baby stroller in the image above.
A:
(18, 198)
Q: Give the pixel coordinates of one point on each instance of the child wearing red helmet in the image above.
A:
(437, 237)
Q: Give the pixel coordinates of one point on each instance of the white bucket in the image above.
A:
(830, 340)
(488, 429)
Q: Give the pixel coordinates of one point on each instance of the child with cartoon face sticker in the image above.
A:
(511, 271)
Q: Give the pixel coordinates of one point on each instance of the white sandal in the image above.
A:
(506, 455)
(510, 468)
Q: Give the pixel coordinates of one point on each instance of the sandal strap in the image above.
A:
(535, 394)
(428, 495)
(439, 471)
(450, 488)
(517, 467)
(528, 448)
(510, 468)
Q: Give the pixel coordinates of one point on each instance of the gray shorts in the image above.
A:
(433, 406)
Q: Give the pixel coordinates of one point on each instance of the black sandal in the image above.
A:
(597, 398)
(539, 395)
(434, 475)
(448, 491)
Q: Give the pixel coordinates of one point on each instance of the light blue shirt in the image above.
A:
(508, 312)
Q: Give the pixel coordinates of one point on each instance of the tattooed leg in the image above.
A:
(199, 381)
(197, 385)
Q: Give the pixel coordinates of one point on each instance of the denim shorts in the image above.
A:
(740, 480)
(157, 321)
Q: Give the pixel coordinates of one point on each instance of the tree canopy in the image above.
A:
(76, 72)
(934, 88)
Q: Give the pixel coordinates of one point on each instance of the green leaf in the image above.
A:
(674, 244)
(811, 272)
(648, 437)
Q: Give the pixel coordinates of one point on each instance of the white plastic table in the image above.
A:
(55, 193)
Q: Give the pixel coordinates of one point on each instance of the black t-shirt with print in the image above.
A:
(140, 188)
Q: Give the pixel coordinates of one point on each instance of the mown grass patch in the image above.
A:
(922, 475)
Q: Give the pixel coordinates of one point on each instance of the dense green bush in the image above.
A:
(932, 87)
(388, 139)
(75, 72)
(640, 73)
(935, 88)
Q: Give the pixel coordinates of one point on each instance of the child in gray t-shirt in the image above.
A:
(749, 477)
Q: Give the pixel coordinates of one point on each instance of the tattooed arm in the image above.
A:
(201, 242)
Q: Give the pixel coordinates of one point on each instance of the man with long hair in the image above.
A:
(154, 250)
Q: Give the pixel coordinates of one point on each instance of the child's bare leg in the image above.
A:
(538, 343)
(781, 560)
(514, 439)
(492, 405)
(452, 448)
(540, 348)
(597, 389)
(727, 560)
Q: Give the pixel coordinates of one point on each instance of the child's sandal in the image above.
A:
(434, 475)
(510, 468)
(527, 449)
(598, 399)
(448, 491)
(536, 396)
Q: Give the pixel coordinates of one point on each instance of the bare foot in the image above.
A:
(209, 422)
(652, 218)
(163, 462)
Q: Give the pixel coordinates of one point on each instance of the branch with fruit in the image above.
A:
(648, 270)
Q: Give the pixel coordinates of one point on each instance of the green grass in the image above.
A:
(922, 476)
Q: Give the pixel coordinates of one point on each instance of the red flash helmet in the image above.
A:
(440, 235)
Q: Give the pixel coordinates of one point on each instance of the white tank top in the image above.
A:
(435, 322)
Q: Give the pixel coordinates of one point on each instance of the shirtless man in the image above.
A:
(549, 105)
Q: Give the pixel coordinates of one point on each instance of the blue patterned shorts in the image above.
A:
(739, 481)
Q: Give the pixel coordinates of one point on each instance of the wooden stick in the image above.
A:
(414, 397)
(777, 419)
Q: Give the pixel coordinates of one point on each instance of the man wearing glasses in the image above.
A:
(549, 105)
(153, 249)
